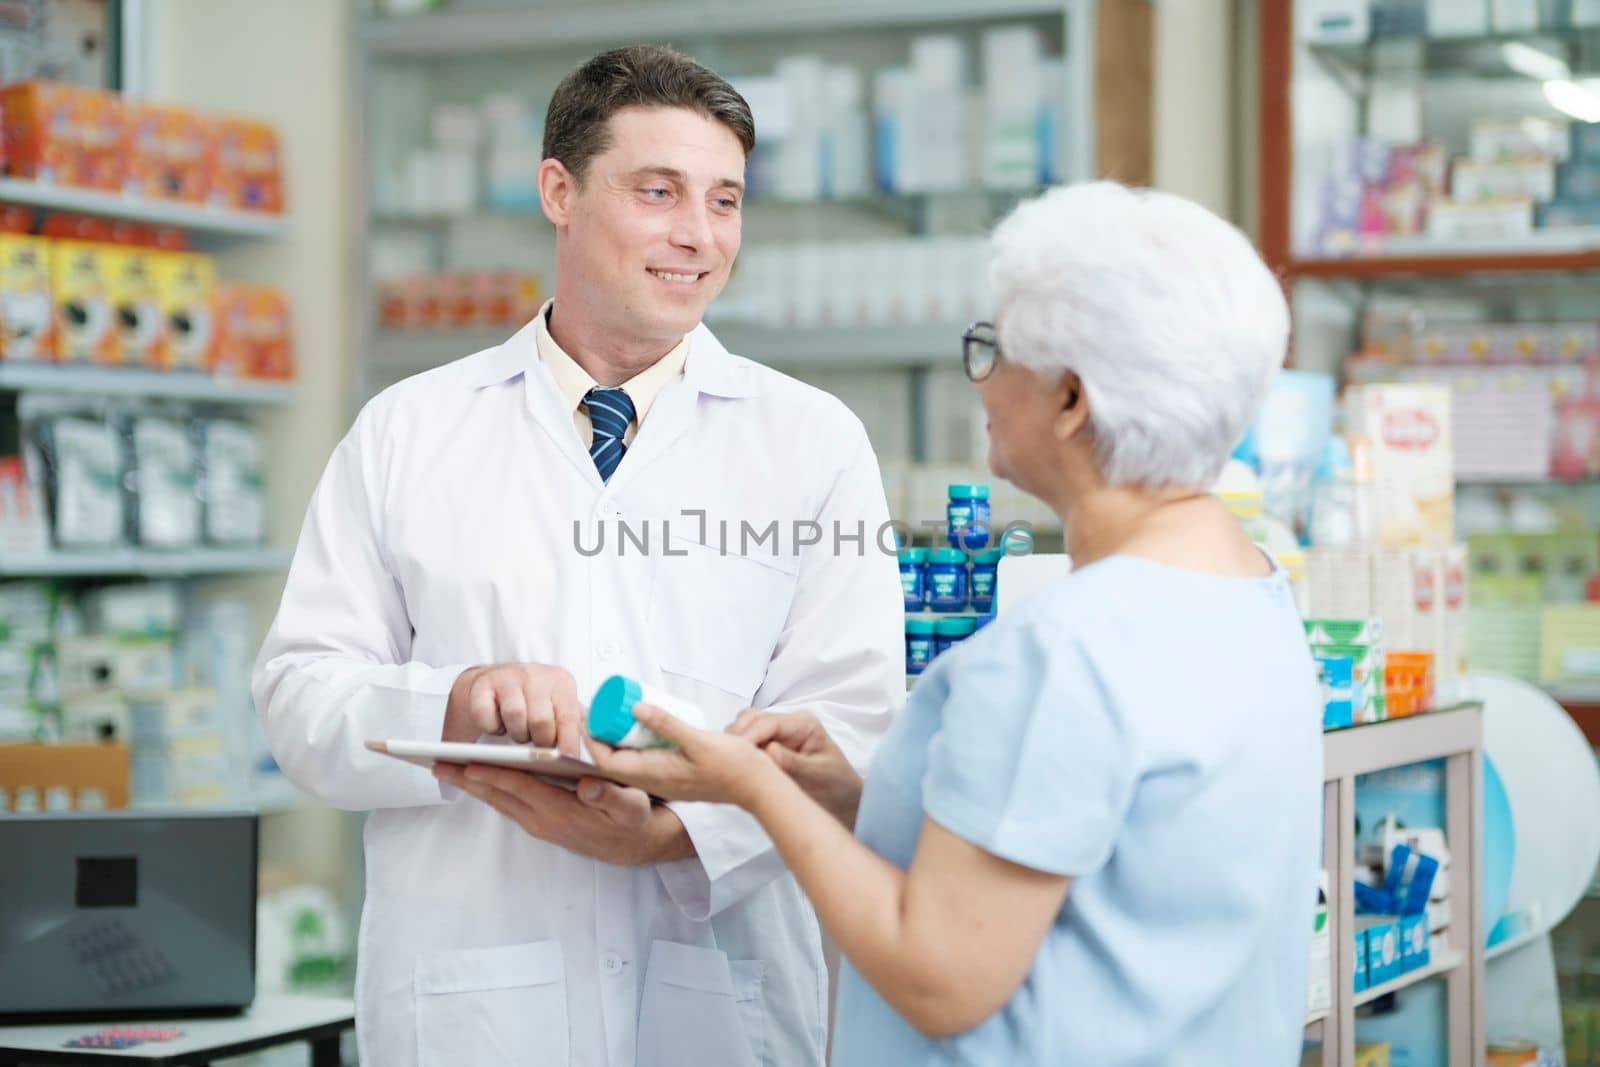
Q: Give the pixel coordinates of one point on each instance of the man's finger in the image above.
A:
(519, 784)
(481, 706)
(631, 807)
(569, 734)
(780, 754)
(541, 716)
(513, 710)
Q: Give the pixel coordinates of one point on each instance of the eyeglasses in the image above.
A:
(980, 350)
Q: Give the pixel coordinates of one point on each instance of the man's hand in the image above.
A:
(798, 744)
(606, 822)
(526, 702)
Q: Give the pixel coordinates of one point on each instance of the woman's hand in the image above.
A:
(799, 745)
(718, 767)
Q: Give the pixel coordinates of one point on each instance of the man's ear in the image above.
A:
(557, 187)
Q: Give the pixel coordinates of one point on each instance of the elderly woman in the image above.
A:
(1092, 836)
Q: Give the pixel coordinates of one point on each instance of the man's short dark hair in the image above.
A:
(577, 125)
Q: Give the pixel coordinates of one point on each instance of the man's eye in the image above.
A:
(657, 194)
(728, 204)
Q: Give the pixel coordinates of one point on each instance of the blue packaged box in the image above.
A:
(1361, 960)
(1383, 949)
(1413, 931)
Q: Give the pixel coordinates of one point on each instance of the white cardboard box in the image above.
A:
(1406, 430)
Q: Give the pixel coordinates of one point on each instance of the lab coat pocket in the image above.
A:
(716, 617)
(487, 1006)
(701, 1010)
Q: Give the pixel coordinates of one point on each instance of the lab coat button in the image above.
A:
(610, 963)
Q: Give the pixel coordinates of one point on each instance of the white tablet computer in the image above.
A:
(545, 762)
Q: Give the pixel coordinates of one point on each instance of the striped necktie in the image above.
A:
(610, 411)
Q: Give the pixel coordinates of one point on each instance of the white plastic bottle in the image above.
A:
(611, 713)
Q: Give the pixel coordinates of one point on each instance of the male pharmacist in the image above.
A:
(608, 492)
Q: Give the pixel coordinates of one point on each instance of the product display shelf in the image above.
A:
(466, 33)
(1444, 260)
(206, 225)
(1454, 734)
(1441, 966)
(413, 351)
(439, 57)
(1540, 252)
(895, 203)
(133, 562)
(1474, 54)
(130, 382)
(1511, 944)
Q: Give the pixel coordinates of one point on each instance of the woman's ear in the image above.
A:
(556, 189)
(1072, 413)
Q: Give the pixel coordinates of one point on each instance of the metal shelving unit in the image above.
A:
(205, 225)
(1454, 735)
(726, 35)
(146, 563)
(129, 382)
(800, 347)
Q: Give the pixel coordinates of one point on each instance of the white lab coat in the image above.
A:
(443, 536)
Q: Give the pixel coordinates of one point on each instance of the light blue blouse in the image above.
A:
(1155, 734)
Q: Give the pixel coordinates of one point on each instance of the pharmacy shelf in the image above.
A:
(900, 205)
(1574, 249)
(1455, 735)
(819, 347)
(206, 223)
(1368, 747)
(1474, 55)
(275, 795)
(1527, 483)
(137, 562)
(1436, 968)
(129, 382)
(476, 33)
(846, 346)
(1511, 944)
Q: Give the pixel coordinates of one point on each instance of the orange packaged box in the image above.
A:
(1407, 682)
(253, 333)
(249, 174)
(63, 134)
(171, 153)
(80, 287)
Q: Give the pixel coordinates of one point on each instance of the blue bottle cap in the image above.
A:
(958, 491)
(611, 712)
(913, 555)
(919, 627)
(960, 626)
(949, 555)
(989, 558)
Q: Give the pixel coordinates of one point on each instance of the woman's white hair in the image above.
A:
(1167, 314)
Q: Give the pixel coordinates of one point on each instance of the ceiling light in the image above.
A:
(1577, 99)
(1534, 63)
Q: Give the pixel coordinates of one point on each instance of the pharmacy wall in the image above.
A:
(195, 56)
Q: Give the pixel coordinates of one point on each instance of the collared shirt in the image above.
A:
(575, 382)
